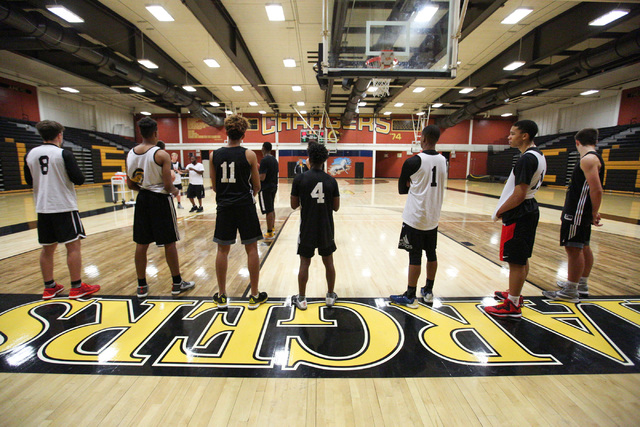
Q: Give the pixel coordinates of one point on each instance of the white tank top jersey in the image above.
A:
(144, 171)
(53, 191)
(532, 189)
(426, 193)
(176, 166)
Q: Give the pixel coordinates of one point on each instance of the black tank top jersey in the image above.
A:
(316, 190)
(577, 203)
(233, 177)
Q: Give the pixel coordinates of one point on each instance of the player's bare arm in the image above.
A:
(212, 172)
(162, 158)
(590, 165)
(295, 202)
(255, 173)
(336, 204)
(519, 193)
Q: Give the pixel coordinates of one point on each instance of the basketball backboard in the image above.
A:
(361, 34)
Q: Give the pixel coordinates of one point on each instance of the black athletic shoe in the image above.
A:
(181, 287)
(200, 209)
(221, 301)
(254, 302)
(193, 209)
(143, 291)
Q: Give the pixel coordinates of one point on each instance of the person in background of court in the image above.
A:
(196, 184)
(177, 181)
(236, 180)
(318, 195)
(161, 144)
(300, 167)
(154, 219)
(423, 178)
(581, 209)
(268, 188)
(53, 172)
(519, 212)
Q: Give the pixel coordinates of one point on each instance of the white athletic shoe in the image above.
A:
(331, 298)
(298, 302)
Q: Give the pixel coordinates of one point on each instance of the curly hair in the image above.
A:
(318, 153)
(236, 126)
(147, 127)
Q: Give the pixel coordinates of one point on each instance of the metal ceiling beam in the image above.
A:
(216, 20)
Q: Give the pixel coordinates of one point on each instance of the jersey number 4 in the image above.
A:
(317, 193)
(231, 178)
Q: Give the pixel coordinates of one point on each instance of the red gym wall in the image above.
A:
(629, 106)
(18, 101)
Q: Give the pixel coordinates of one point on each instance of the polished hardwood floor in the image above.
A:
(368, 264)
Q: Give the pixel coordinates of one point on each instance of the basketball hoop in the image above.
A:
(386, 61)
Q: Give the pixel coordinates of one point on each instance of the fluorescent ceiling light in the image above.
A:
(300, 103)
(418, 89)
(398, 104)
(228, 112)
(262, 112)
(160, 13)
(189, 88)
(289, 62)
(70, 89)
(214, 104)
(149, 64)
(296, 88)
(303, 112)
(145, 113)
(420, 113)
(516, 16)
(609, 17)
(388, 113)
(237, 88)
(466, 90)
(275, 12)
(426, 13)
(527, 91)
(514, 65)
(211, 63)
(506, 115)
(437, 105)
(372, 89)
(253, 104)
(137, 89)
(65, 14)
(362, 104)
(589, 92)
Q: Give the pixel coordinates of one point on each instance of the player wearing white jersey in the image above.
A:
(423, 178)
(519, 212)
(53, 172)
(154, 220)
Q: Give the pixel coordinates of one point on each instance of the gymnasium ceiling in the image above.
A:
(250, 50)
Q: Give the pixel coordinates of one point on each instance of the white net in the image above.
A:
(379, 87)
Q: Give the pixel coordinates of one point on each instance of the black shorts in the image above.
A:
(61, 227)
(154, 219)
(573, 235)
(234, 219)
(178, 186)
(309, 251)
(266, 199)
(195, 191)
(415, 241)
(517, 239)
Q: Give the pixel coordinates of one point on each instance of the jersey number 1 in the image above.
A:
(433, 177)
(317, 193)
(232, 173)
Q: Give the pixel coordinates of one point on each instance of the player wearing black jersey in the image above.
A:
(519, 212)
(236, 181)
(581, 209)
(53, 172)
(268, 187)
(318, 195)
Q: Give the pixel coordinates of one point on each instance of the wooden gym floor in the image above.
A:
(369, 267)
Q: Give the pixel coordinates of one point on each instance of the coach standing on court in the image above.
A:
(268, 187)
(53, 172)
(196, 184)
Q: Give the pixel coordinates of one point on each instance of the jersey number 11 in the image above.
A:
(232, 173)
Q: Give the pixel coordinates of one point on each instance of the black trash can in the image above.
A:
(107, 194)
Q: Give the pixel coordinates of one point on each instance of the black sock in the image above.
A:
(142, 282)
(429, 286)
(50, 284)
(76, 283)
(411, 292)
(177, 279)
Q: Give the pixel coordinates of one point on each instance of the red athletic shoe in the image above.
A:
(52, 292)
(504, 309)
(503, 295)
(83, 291)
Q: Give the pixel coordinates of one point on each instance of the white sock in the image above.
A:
(571, 286)
(583, 280)
(515, 300)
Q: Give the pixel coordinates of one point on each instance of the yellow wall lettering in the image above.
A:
(271, 128)
(112, 315)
